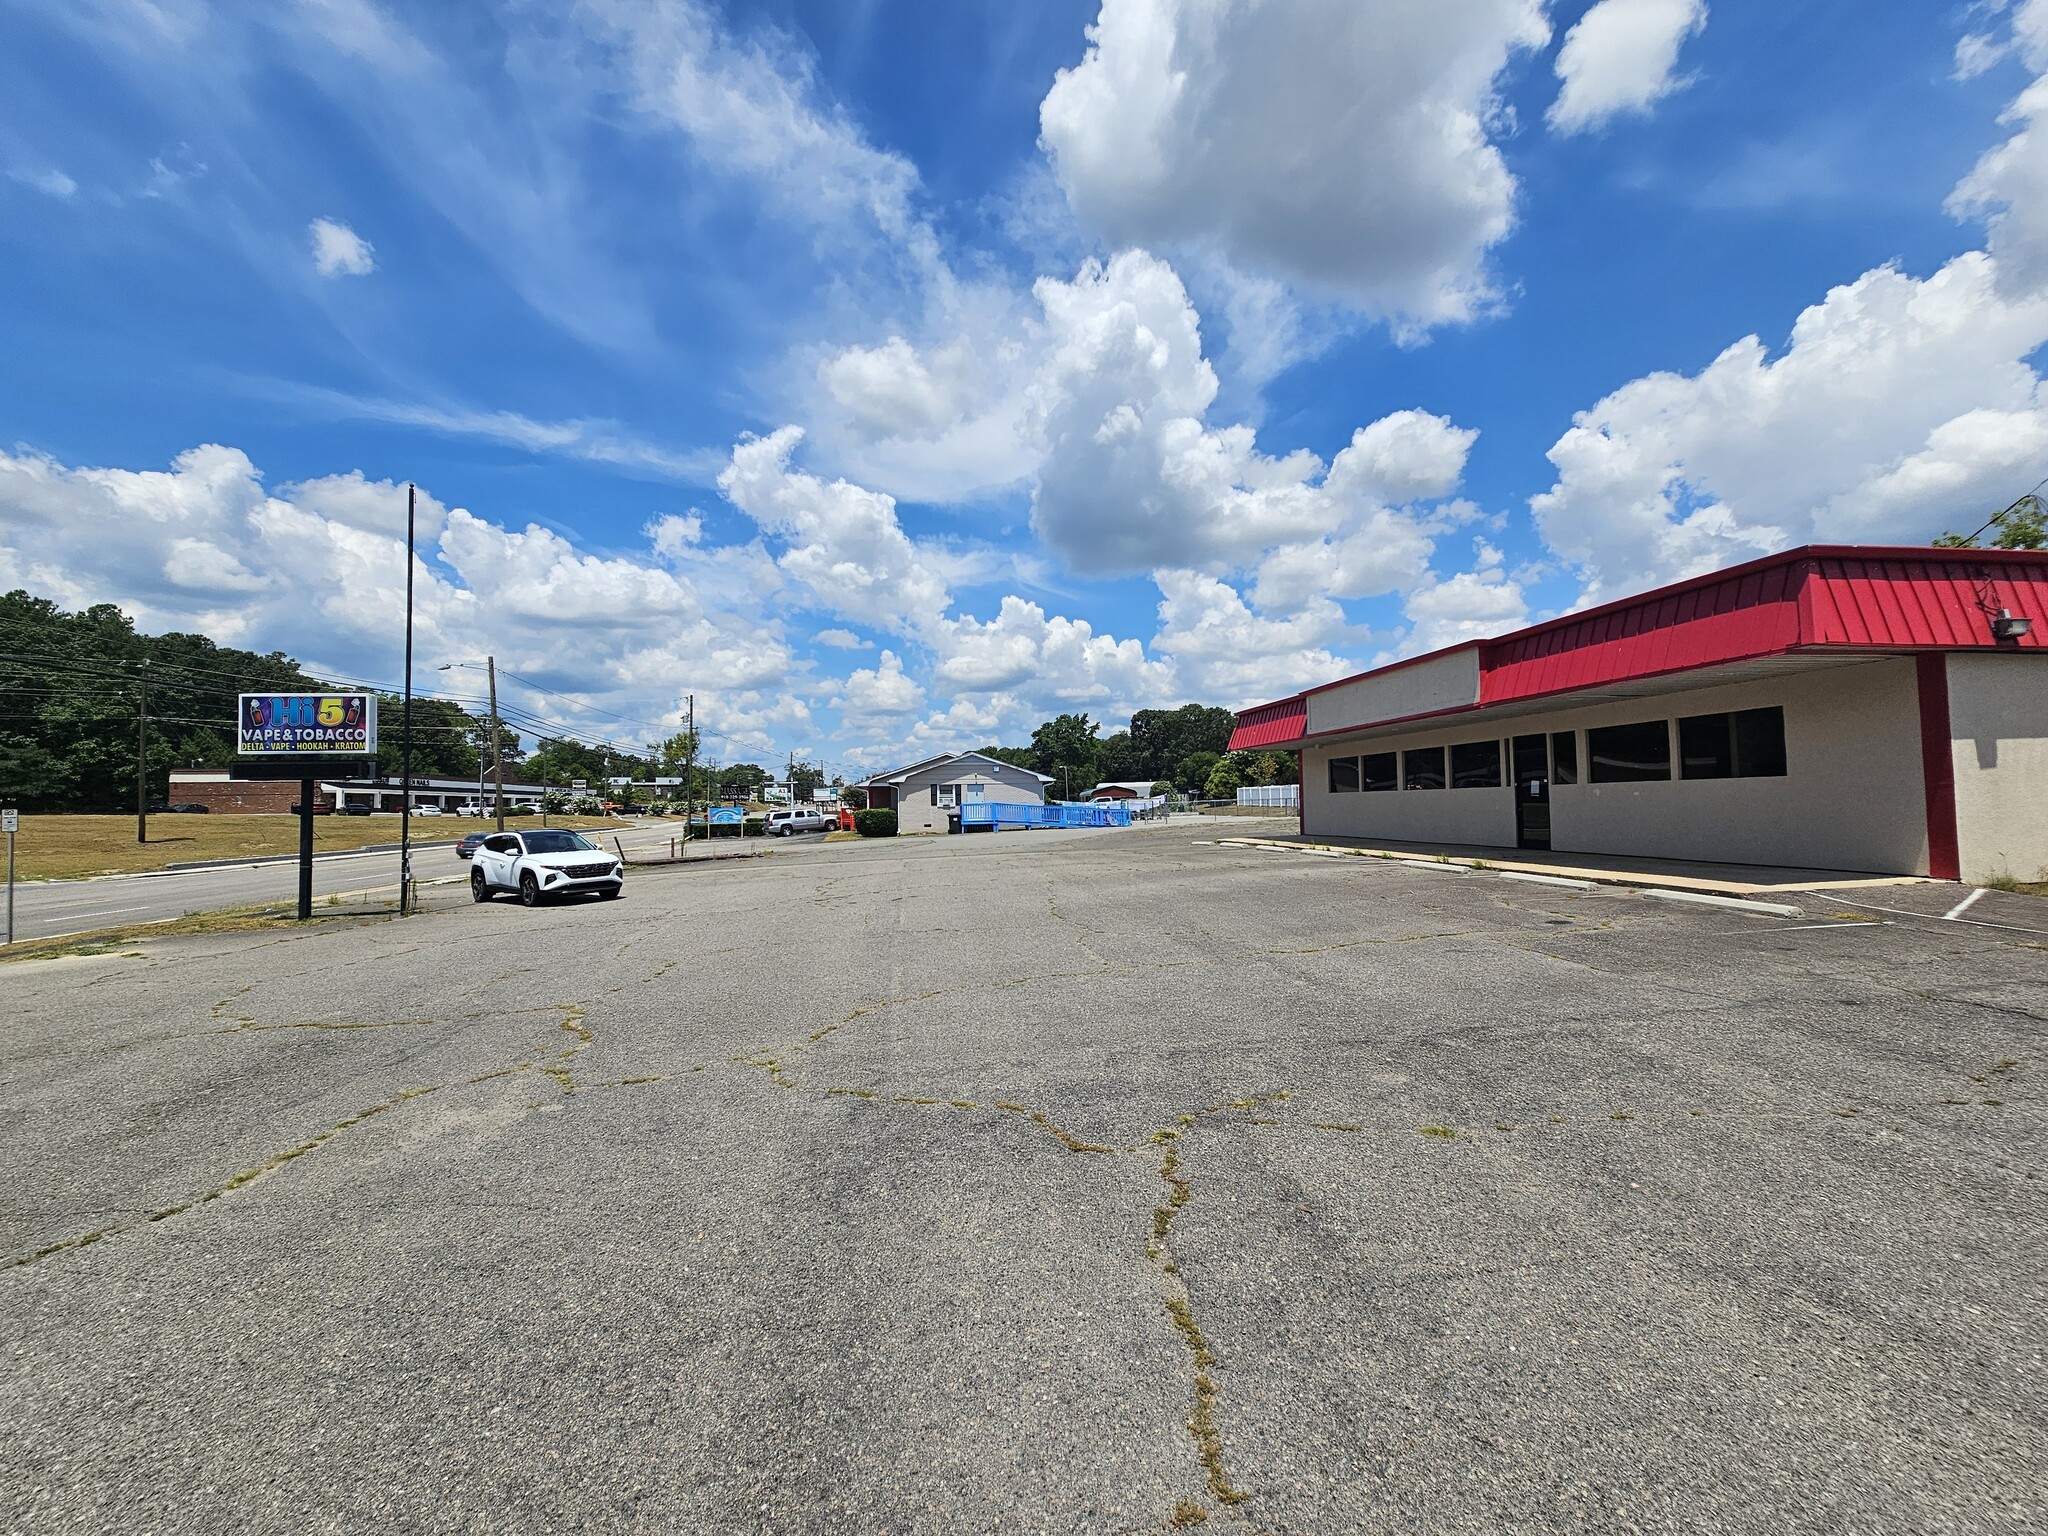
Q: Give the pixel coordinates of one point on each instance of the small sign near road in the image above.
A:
(10, 822)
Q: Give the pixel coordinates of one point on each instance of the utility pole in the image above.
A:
(142, 755)
(497, 755)
(405, 729)
(690, 774)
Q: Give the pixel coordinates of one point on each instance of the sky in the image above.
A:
(890, 375)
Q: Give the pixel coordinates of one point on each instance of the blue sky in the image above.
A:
(893, 375)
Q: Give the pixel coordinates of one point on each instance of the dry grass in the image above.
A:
(102, 941)
(67, 847)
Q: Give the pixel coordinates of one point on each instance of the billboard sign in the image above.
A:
(306, 724)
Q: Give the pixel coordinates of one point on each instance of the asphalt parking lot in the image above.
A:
(1058, 1182)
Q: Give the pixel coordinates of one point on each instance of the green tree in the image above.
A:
(1223, 782)
(804, 779)
(1194, 770)
(1165, 738)
(1121, 759)
(1016, 757)
(1066, 749)
(2023, 525)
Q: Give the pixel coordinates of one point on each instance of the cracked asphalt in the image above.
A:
(1057, 1182)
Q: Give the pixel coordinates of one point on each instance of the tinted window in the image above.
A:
(502, 843)
(1379, 770)
(1749, 744)
(1564, 757)
(1759, 743)
(557, 842)
(1423, 768)
(1628, 754)
(1706, 747)
(1475, 765)
(1531, 761)
(1343, 775)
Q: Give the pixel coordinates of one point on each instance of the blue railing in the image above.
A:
(996, 815)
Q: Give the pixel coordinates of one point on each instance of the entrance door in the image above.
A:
(1532, 792)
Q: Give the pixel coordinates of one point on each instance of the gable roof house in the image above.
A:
(922, 794)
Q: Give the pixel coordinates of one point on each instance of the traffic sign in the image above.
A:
(10, 821)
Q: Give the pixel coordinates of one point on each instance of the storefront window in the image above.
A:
(1379, 771)
(1630, 754)
(1423, 768)
(1343, 775)
(1475, 765)
(1564, 757)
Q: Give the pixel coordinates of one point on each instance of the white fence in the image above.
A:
(1286, 796)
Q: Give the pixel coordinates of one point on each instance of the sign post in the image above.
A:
(307, 737)
(10, 820)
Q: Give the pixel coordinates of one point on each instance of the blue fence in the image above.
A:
(995, 815)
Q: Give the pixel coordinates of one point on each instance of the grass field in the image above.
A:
(67, 847)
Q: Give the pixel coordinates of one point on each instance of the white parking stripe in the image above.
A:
(1965, 904)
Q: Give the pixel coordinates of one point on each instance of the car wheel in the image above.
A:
(529, 891)
(479, 887)
(614, 893)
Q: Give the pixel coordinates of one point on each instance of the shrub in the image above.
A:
(875, 823)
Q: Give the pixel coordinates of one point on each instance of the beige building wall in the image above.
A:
(1852, 797)
(1998, 730)
(1435, 682)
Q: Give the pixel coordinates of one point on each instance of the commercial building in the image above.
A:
(214, 789)
(1121, 789)
(923, 794)
(1855, 708)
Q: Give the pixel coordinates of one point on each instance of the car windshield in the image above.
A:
(558, 842)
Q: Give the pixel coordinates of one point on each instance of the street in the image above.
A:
(49, 908)
(1095, 1181)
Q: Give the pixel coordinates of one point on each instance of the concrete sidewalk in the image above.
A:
(1607, 869)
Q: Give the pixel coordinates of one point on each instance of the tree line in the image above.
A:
(1187, 748)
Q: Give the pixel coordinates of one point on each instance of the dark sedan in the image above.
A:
(469, 845)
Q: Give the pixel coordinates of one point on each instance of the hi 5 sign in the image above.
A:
(278, 723)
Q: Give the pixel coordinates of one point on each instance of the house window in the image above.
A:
(1564, 757)
(1748, 744)
(945, 794)
(1379, 770)
(1423, 768)
(1475, 765)
(1343, 775)
(1630, 754)
(977, 791)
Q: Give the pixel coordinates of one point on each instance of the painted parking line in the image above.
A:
(1965, 904)
(1732, 903)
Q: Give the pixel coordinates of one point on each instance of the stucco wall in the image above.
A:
(916, 813)
(1998, 728)
(1441, 682)
(1851, 798)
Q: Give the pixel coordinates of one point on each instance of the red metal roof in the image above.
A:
(1820, 596)
(1261, 727)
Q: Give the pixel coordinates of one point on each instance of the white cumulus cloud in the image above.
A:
(1621, 57)
(1346, 148)
(339, 251)
(1899, 407)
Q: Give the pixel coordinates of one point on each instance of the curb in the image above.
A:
(287, 858)
(1632, 884)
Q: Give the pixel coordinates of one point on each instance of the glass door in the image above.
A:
(1532, 791)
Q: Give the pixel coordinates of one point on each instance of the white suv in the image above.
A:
(802, 819)
(543, 864)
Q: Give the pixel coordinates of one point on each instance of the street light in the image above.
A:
(497, 758)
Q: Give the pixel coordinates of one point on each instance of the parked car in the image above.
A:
(542, 864)
(427, 810)
(803, 818)
(474, 808)
(346, 810)
(190, 808)
(471, 841)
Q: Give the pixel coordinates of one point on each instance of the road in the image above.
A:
(50, 908)
(1051, 1182)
